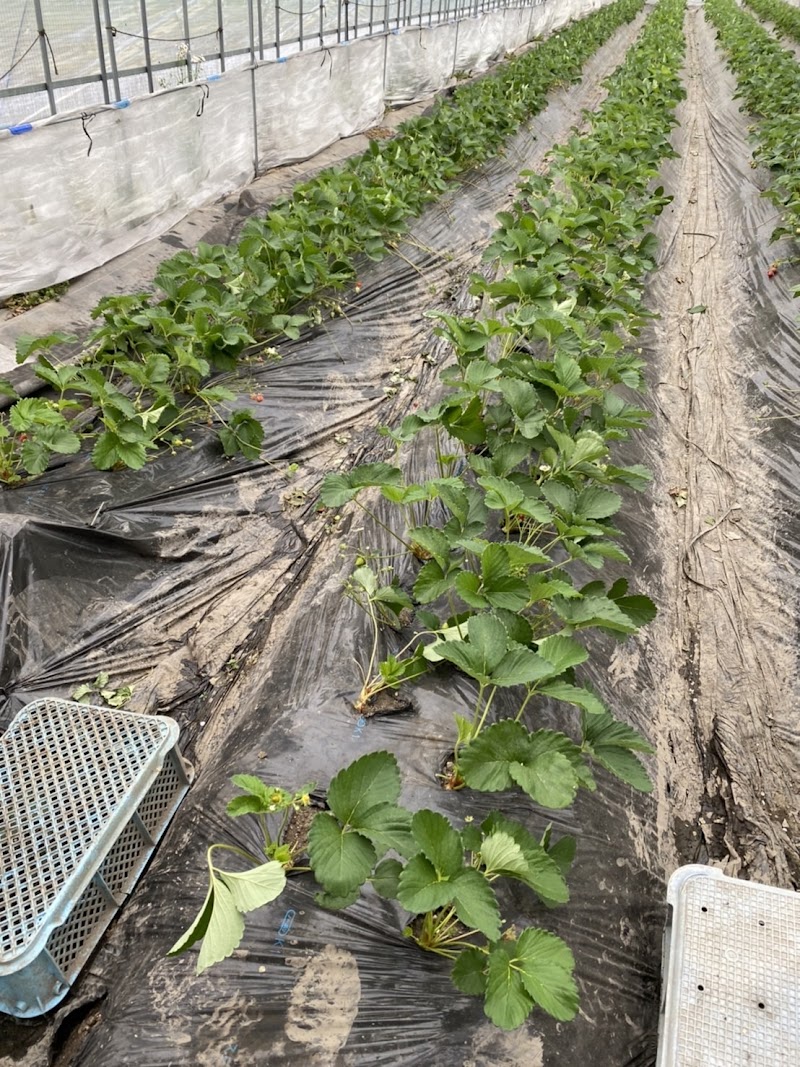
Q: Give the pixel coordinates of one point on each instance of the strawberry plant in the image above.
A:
(785, 17)
(273, 807)
(383, 605)
(530, 412)
(231, 894)
(447, 884)
(445, 880)
(35, 431)
(101, 690)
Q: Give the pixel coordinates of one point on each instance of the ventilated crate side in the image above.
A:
(73, 854)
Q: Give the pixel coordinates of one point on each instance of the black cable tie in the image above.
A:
(205, 93)
(87, 116)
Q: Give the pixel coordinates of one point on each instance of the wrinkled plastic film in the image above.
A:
(314, 98)
(419, 62)
(78, 193)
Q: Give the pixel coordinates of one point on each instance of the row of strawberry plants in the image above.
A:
(768, 78)
(146, 372)
(523, 435)
(784, 17)
(531, 413)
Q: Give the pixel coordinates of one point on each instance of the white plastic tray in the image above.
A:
(731, 982)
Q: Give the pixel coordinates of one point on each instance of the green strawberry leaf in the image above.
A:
(438, 842)
(341, 859)
(420, 888)
(469, 972)
(356, 790)
(256, 887)
(475, 903)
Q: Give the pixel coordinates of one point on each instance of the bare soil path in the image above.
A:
(727, 720)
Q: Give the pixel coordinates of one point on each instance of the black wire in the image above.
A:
(164, 40)
(43, 33)
(87, 117)
(205, 93)
(13, 65)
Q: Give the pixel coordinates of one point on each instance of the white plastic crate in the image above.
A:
(731, 973)
(85, 795)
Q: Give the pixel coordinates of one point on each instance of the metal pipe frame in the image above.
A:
(361, 21)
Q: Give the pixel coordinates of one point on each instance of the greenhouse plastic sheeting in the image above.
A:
(419, 61)
(314, 98)
(519, 27)
(79, 190)
(481, 40)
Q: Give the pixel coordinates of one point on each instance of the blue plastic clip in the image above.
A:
(24, 127)
(121, 103)
(358, 729)
(285, 927)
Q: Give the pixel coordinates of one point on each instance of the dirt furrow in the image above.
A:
(727, 778)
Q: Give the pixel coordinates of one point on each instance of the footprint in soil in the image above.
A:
(324, 1003)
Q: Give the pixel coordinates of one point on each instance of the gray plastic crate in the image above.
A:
(85, 795)
(731, 973)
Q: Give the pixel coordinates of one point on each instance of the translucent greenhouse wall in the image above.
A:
(82, 187)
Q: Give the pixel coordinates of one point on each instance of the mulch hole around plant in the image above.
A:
(296, 833)
(387, 703)
(447, 777)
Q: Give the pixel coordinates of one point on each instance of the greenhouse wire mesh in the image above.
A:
(58, 56)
